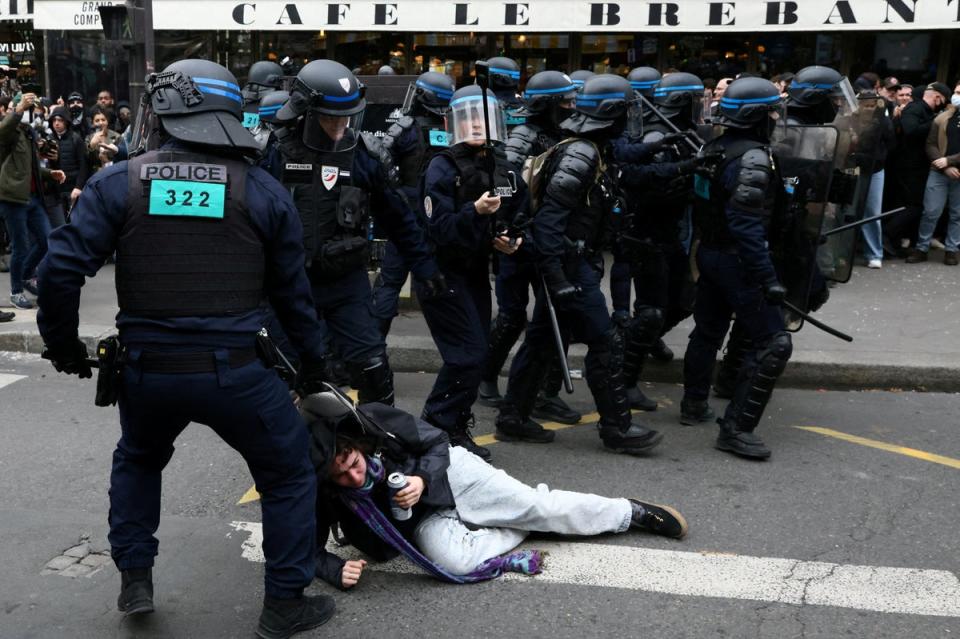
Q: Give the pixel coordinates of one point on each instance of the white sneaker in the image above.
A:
(874, 264)
(936, 244)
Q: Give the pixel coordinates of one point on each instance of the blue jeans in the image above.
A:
(873, 232)
(940, 191)
(23, 221)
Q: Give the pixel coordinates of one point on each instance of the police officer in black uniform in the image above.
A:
(734, 211)
(505, 83)
(270, 105)
(338, 181)
(580, 76)
(548, 101)
(264, 78)
(202, 239)
(810, 102)
(406, 150)
(580, 205)
(466, 216)
(660, 223)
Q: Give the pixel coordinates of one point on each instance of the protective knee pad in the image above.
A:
(771, 360)
(504, 332)
(604, 373)
(374, 380)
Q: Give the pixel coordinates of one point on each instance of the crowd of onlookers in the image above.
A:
(48, 150)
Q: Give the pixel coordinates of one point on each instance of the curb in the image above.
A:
(419, 355)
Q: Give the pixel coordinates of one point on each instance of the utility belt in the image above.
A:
(112, 357)
(337, 257)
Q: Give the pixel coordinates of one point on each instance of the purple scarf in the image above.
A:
(360, 502)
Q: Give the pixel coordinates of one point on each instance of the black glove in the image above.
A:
(774, 292)
(818, 298)
(560, 289)
(699, 161)
(311, 376)
(69, 358)
(435, 287)
(667, 140)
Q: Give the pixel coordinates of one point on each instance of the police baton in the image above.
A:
(823, 327)
(866, 220)
(686, 134)
(483, 80)
(555, 325)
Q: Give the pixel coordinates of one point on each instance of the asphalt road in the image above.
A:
(830, 538)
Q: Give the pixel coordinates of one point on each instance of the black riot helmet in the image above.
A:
(331, 101)
(644, 80)
(817, 94)
(270, 105)
(751, 103)
(581, 76)
(386, 70)
(680, 96)
(603, 104)
(504, 74)
(549, 94)
(196, 101)
(264, 77)
(431, 92)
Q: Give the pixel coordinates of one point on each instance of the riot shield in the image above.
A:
(806, 157)
(859, 133)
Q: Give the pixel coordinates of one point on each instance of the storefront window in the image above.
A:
(607, 53)
(452, 53)
(539, 52)
(909, 56)
(82, 61)
(21, 52)
(366, 51)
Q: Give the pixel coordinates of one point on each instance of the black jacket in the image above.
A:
(915, 122)
(72, 160)
(406, 444)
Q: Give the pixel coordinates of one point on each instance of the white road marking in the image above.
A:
(8, 378)
(709, 574)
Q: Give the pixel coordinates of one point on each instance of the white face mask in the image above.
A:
(955, 100)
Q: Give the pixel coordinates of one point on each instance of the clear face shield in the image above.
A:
(409, 97)
(844, 98)
(465, 121)
(145, 127)
(333, 133)
(635, 119)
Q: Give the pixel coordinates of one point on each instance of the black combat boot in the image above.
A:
(640, 336)
(511, 428)
(661, 352)
(136, 591)
(656, 519)
(460, 436)
(741, 443)
(283, 618)
(640, 401)
(695, 411)
(489, 394)
(554, 409)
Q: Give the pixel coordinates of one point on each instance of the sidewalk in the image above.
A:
(905, 321)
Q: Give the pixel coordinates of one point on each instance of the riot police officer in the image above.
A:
(580, 204)
(548, 101)
(202, 239)
(660, 224)
(505, 83)
(406, 150)
(734, 210)
(580, 76)
(811, 100)
(270, 105)
(337, 182)
(263, 78)
(643, 80)
(469, 199)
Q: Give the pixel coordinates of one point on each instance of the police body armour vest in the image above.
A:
(331, 209)
(710, 195)
(188, 247)
(432, 140)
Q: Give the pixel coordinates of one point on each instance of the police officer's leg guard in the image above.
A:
(374, 380)
(550, 406)
(603, 372)
(505, 330)
(738, 345)
(753, 392)
(641, 335)
(513, 421)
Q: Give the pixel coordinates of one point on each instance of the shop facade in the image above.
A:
(913, 40)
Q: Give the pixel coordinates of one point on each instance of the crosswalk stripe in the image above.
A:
(891, 448)
(911, 591)
(9, 378)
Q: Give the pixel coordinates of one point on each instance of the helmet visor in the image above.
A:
(465, 121)
(322, 132)
(845, 98)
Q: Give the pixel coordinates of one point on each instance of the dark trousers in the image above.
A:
(515, 278)
(459, 324)
(723, 289)
(28, 227)
(662, 280)
(386, 290)
(250, 409)
(621, 279)
(346, 306)
(904, 187)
